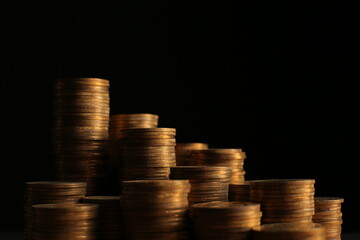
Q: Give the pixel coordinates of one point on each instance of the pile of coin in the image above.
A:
(49, 192)
(328, 213)
(64, 221)
(284, 200)
(239, 192)
(286, 231)
(148, 153)
(228, 157)
(81, 130)
(183, 152)
(208, 183)
(224, 220)
(155, 209)
(109, 218)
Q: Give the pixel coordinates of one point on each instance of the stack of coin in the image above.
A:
(239, 192)
(328, 213)
(64, 221)
(109, 219)
(224, 220)
(183, 152)
(233, 158)
(208, 183)
(49, 192)
(148, 153)
(284, 200)
(155, 209)
(289, 231)
(81, 130)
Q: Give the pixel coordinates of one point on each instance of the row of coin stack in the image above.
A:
(159, 189)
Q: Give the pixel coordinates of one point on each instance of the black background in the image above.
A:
(276, 80)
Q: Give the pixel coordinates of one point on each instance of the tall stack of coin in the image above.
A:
(224, 220)
(109, 220)
(284, 200)
(65, 221)
(239, 192)
(148, 153)
(208, 183)
(81, 130)
(155, 209)
(49, 192)
(328, 213)
(287, 231)
(183, 152)
(229, 157)
(119, 122)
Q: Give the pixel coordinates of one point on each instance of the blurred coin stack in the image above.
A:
(64, 221)
(239, 192)
(81, 131)
(284, 200)
(289, 231)
(228, 157)
(148, 153)
(183, 152)
(109, 218)
(328, 213)
(49, 192)
(224, 220)
(208, 183)
(119, 122)
(155, 209)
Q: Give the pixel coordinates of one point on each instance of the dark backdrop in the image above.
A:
(276, 80)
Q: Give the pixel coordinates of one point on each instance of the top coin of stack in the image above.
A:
(148, 153)
(228, 157)
(183, 152)
(155, 209)
(284, 200)
(328, 213)
(49, 192)
(289, 231)
(80, 132)
(225, 220)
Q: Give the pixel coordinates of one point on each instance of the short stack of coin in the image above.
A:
(289, 231)
(239, 192)
(155, 209)
(183, 152)
(49, 192)
(64, 221)
(148, 153)
(284, 200)
(109, 219)
(208, 183)
(228, 157)
(328, 213)
(81, 130)
(224, 220)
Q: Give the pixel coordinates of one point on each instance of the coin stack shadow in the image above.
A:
(148, 153)
(119, 122)
(224, 220)
(65, 221)
(284, 200)
(286, 231)
(208, 183)
(328, 213)
(81, 131)
(155, 209)
(49, 192)
(239, 192)
(227, 157)
(109, 218)
(183, 152)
